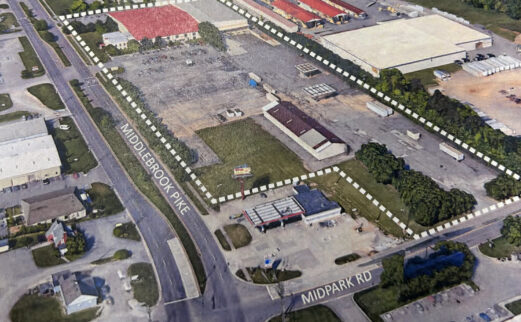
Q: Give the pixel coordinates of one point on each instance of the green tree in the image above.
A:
(76, 244)
(78, 6)
(393, 274)
(511, 230)
(211, 35)
(503, 187)
(41, 25)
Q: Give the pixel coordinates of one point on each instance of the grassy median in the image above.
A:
(33, 65)
(141, 179)
(46, 93)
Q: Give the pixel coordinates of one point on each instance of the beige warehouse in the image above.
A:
(407, 44)
(27, 153)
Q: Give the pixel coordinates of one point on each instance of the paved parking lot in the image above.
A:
(498, 282)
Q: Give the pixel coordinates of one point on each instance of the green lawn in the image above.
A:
(376, 300)
(145, 287)
(514, 307)
(74, 151)
(27, 240)
(34, 308)
(317, 313)
(127, 230)
(239, 235)
(60, 7)
(499, 23)
(47, 256)
(7, 20)
(222, 240)
(349, 198)
(5, 102)
(46, 93)
(104, 199)
(246, 142)
(427, 77)
(30, 59)
(93, 39)
(120, 254)
(13, 116)
(501, 248)
(267, 276)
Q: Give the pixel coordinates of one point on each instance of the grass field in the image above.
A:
(60, 7)
(104, 199)
(239, 235)
(5, 102)
(47, 256)
(74, 152)
(502, 248)
(376, 301)
(127, 230)
(348, 197)
(30, 59)
(34, 308)
(145, 287)
(222, 240)
(93, 39)
(514, 307)
(499, 23)
(46, 93)
(7, 21)
(317, 313)
(13, 116)
(141, 179)
(427, 77)
(246, 142)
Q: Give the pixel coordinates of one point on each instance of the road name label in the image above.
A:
(336, 287)
(155, 169)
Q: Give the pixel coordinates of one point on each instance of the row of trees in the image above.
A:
(511, 7)
(393, 274)
(427, 202)
(511, 230)
(99, 26)
(503, 187)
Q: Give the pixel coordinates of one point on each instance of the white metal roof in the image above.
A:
(20, 130)
(274, 210)
(28, 156)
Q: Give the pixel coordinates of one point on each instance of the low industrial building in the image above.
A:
(62, 205)
(168, 22)
(212, 11)
(117, 39)
(291, 11)
(348, 8)
(27, 153)
(303, 129)
(263, 10)
(407, 44)
(309, 205)
(77, 291)
(325, 10)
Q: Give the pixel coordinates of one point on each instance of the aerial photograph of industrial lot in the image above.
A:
(260, 160)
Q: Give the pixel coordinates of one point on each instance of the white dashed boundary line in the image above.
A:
(388, 100)
(204, 190)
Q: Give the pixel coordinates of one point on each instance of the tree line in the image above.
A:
(428, 203)
(511, 230)
(510, 7)
(408, 289)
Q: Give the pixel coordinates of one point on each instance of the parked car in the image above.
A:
(490, 55)
(485, 317)
(46, 181)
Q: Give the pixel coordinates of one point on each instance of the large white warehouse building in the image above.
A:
(407, 44)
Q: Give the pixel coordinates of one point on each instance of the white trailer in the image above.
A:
(269, 89)
(255, 77)
(272, 97)
(457, 155)
(379, 108)
(413, 135)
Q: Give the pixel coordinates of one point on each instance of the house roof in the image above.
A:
(57, 230)
(268, 12)
(348, 7)
(52, 205)
(313, 201)
(75, 285)
(158, 21)
(300, 123)
(323, 7)
(295, 11)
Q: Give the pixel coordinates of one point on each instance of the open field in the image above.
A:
(499, 23)
(105, 200)
(46, 93)
(484, 93)
(74, 152)
(47, 256)
(34, 308)
(60, 7)
(427, 77)
(317, 313)
(5, 102)
(246, 142)
(13, 116)
(30, 59)
(7, 20)
(501, 248)
(93, 39)
(145, 287)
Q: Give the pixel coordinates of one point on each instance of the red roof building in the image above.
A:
(295, 11)
(348, 7)
(323, 8)
(164, 21)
